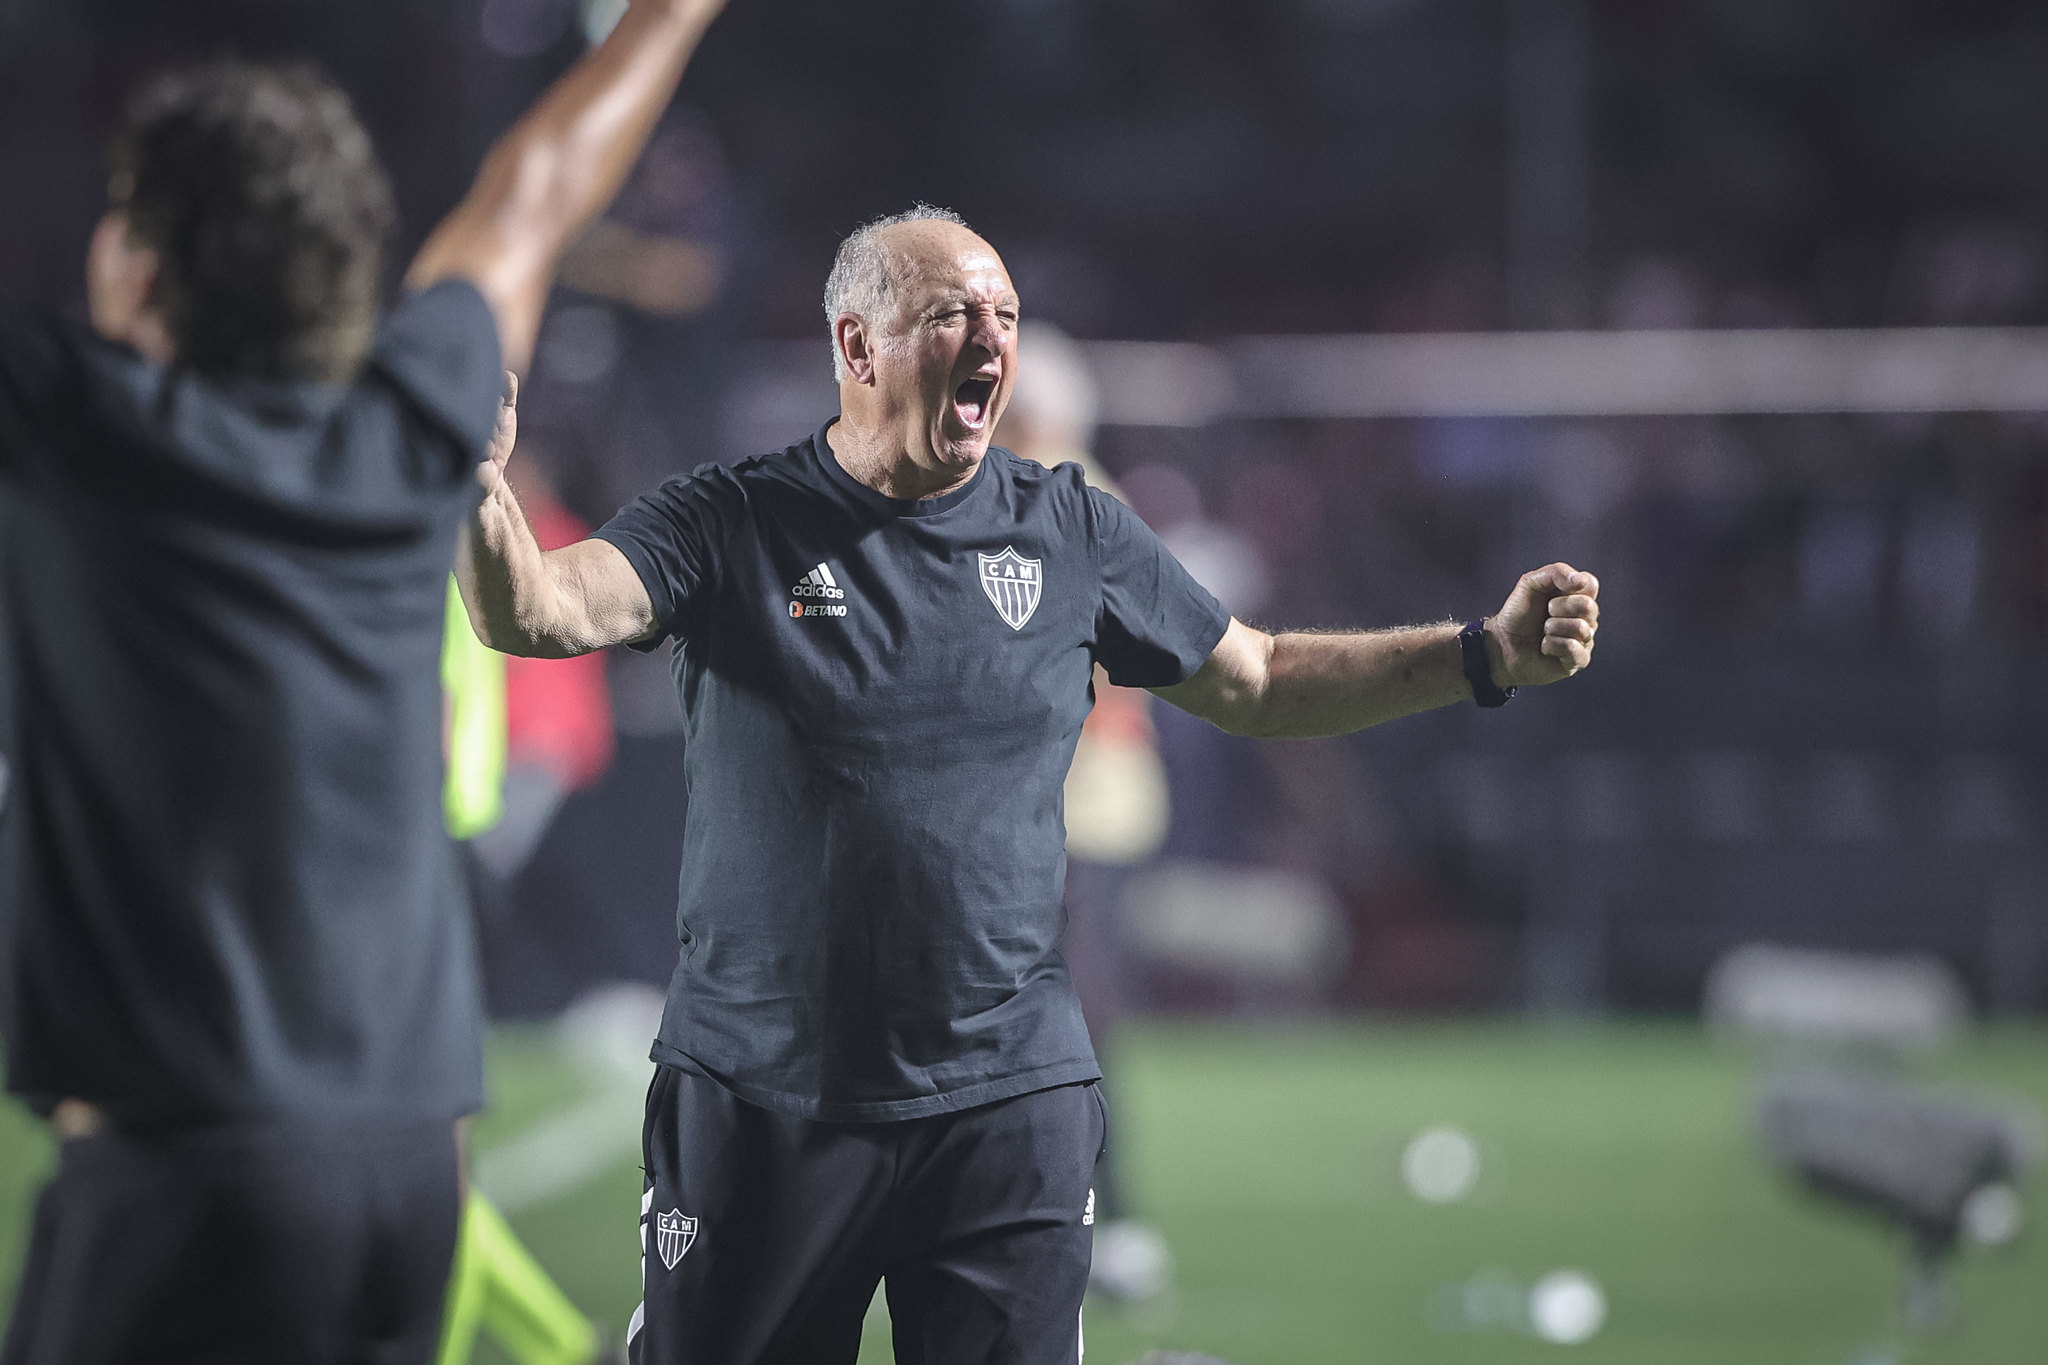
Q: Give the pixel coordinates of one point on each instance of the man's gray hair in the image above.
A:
(861, 282)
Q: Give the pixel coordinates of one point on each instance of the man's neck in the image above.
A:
(880, 463)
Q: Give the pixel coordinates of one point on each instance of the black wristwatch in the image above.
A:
(1478, 668)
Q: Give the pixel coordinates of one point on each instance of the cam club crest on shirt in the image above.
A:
(1012, 583)
(673, 1234)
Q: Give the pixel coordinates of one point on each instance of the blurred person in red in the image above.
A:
(243, 981)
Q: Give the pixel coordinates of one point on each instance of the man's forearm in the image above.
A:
(505, 582)
(1298, 686)
(1335, 684)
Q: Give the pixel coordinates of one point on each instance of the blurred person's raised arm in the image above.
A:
(558, 167)
(1297, 685)
(541, 603)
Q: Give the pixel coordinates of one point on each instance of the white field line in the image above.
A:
(569, 1148)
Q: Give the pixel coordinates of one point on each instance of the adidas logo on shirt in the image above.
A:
(817, 584)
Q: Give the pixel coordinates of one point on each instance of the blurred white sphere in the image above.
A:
(1132, 1261)
(1993, 1215)
(1441, 1165)
(1567, 1307)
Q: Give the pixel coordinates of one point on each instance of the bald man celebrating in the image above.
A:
(872, 1065)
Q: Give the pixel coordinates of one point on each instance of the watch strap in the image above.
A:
(1478, 668)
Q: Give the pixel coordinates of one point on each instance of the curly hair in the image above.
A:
(269, 212)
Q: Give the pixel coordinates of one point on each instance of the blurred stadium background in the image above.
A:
(1739, 303)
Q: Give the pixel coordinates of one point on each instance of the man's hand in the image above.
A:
(491, 473)
(1544, 631)
(544, 604)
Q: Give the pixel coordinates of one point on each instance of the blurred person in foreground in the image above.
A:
(1115, 802)
(872, 1065)
(244, 982)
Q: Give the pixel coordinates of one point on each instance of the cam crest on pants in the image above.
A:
(673, 1234)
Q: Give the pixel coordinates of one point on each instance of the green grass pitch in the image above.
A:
(1268, 1155)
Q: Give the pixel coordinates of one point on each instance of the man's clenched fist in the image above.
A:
(1545, 629)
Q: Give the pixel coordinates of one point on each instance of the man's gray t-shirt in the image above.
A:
(224, 610)
(881, 701)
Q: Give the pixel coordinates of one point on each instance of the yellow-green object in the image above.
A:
(473, 680)
(499, 1288)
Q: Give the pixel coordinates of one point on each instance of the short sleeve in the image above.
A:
(440, 346)
(674, 537)
(31, 358)
(11, 435)
(1156, 625)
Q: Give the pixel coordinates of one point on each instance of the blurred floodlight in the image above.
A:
(1441, 1165)
(1567, 1307)
(1259, 925)
(600, 17)
(1910, 1001)
(1993, 1215)
(524, 28)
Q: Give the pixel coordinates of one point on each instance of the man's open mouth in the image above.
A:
(971, 400)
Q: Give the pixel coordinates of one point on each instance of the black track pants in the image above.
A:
(245, 1245)
(765, 1235)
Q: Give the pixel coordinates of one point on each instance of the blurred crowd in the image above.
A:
(1811, 719)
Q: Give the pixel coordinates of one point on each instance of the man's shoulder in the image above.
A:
(740, 482)
(69, 400)
(790, 465)
(712, 498)
(440, 347)
(1064, 480)
(37, 350)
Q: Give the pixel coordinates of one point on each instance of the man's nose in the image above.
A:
(987, 331)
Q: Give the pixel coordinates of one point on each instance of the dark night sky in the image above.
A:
(1192, 167)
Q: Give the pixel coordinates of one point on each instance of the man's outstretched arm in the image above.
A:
(1295, 686)
(560, 165)
(544, 604)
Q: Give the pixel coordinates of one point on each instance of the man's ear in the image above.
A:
(120, 285)
(850, 335)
